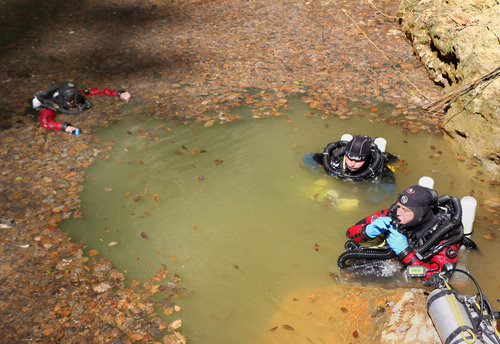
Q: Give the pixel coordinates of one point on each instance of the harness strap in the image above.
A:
(457, 331)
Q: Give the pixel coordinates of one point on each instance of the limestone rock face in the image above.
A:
(459, 42)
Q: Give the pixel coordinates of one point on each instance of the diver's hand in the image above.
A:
(397, 241)
(125, 96)
(378, 226)
(73, 130)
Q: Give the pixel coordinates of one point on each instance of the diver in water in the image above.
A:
(423, 230)
(67, 99)
(357, 159)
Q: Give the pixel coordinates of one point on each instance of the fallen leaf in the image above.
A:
(201, 178)
(144, 235)
(287, 327)
(113, 243)
(273, 328)
(137, 198)
(175, 325)
(93, 252)
(156, 197)
(218, 162)
(176, 152)
(102, 287)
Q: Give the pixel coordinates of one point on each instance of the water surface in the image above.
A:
(235, 212)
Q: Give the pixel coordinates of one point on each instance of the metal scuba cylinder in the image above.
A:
(450, 317)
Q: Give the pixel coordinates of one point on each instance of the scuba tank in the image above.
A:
(459, 318)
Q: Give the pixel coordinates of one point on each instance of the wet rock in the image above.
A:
(345, 313)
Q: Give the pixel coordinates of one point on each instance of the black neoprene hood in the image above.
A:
(358, 149)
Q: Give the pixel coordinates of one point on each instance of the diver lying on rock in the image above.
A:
(67, 99)
(423, 230)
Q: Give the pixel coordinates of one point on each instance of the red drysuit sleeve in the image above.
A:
(48, 121)
(357, 232)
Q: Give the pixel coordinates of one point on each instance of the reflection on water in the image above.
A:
(233, 209)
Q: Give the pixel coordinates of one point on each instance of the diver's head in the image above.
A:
(415, 205)
(358, 151)
(68, 96)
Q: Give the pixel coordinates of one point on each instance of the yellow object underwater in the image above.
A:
(347, 204)
(321, 182)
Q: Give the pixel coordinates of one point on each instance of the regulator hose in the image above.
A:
(47, 102)
(359, 254)
(327, 154)
(423, 252)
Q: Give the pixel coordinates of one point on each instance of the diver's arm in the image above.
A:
(123, 95)
(48, 120)
(357, 232)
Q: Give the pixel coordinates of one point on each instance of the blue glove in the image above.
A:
(378, 226)
(397, 241)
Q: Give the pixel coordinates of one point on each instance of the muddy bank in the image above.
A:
(186, 59)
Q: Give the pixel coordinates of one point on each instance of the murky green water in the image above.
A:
(233, 210)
